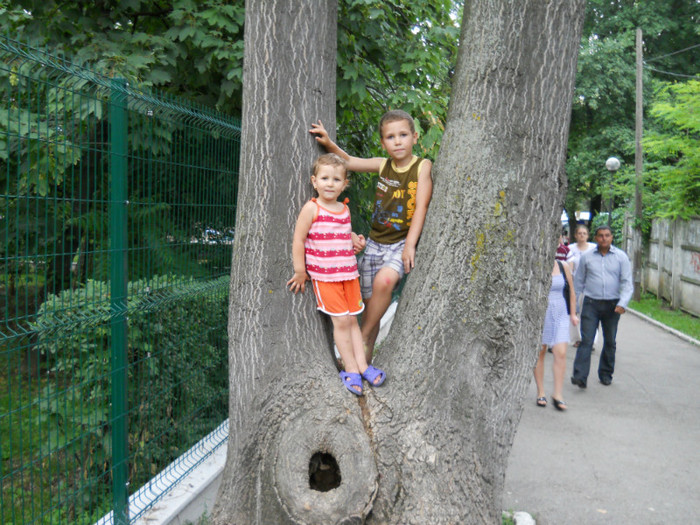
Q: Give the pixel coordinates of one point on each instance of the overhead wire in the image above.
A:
(670, 73)
(672, 53)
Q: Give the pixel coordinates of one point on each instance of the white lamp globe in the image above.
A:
(612, 164)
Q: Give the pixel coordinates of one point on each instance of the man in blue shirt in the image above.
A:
(605, 278)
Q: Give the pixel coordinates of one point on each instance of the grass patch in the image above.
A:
(507, 518)
(204, 519)
(661, 311)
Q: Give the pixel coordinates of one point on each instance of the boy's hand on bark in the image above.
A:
(409, 258)
(321, 134)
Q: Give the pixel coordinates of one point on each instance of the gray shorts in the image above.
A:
(376, 257)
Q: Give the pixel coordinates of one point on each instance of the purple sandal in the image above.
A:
(351, 380)
(371, 374)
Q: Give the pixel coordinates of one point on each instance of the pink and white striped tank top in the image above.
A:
(328, 246)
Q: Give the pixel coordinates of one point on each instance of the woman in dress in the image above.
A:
(556, 334)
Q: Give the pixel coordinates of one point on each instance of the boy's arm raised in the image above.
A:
(352, 163)
(424, 193)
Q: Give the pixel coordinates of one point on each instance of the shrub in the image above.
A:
(177, 377)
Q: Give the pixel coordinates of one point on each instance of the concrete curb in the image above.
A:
(192, 496)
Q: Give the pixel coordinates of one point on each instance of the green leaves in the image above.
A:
(186, 47)
(674, 149)
(393, 55)
(603, 112)
(174, 321)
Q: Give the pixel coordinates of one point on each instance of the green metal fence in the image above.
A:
(117, 215)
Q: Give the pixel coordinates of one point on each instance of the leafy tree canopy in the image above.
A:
(191, 48)
(186, 48)
(673, 155)
(391, 54)
(603, 114)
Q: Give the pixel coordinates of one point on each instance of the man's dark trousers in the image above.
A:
(596, 311)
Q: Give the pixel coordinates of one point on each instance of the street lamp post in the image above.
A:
(612, 165)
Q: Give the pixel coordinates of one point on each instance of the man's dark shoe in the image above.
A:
(578, 382)
(606, 380)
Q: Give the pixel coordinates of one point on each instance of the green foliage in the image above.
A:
(393, 54)
(34, 114)
(603, 111)
(55, 153)
(54, 208)
(616, 223)
(191, 48)
(177, 376)
(507, 518)
(204, 519)
(673, 150)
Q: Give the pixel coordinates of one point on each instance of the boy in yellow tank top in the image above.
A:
(401, 202)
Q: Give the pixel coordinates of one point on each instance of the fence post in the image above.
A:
(118, 288)
(661, 278)
(677, 263)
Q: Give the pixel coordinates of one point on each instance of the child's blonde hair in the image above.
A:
(396, 115)
(329, 159)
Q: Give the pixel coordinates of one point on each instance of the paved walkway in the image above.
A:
(625, 453)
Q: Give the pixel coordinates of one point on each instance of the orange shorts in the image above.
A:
(339, 298)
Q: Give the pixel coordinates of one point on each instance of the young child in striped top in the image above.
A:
(323, 250)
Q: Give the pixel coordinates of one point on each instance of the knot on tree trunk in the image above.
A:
(324, 469)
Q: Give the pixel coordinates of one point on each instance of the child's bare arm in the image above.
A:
(358, 242)
(301, 230)
(352, 163)
(424, 193)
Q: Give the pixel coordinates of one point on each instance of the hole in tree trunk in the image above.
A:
(324, 473)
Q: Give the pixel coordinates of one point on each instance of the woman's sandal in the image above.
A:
(542, 402)
(558, 404)
(371, 375)
(352, 380)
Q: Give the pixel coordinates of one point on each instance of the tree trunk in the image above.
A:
(286, 400)
(431, 445)
(461, 351)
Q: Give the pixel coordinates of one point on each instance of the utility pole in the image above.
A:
(638, 169)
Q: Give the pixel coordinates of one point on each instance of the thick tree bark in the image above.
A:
(286, 400)
(431, 445)
(461, 351)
